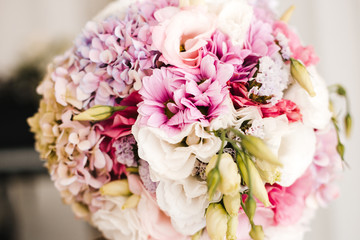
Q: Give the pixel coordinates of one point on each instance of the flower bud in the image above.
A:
(197, 235)
(97, 113)
(213, 180)
(341, 149)
(80, 210)
(251, 176)
(232, 226)
(229, 174)
(287, 15)
(301, 75)
(116, 188)
(131, 202)
(232, 204)
(348, 124)
(216, 221)
(250, 207)
(256, 147)
(257, 232)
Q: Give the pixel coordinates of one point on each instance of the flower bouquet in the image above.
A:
(190, 119)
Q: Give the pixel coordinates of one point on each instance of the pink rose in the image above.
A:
(154, 221)
(181, 35)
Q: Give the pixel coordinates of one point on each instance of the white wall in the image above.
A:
(332, 27)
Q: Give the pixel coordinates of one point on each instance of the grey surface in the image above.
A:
(23, 160)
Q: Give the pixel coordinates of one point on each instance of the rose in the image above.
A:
(185, 202)
(174, 157)
(315, 110)
(181, 34)
(116, 223)
(155, 223)
(233, 18)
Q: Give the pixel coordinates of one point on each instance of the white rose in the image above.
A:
(116, 223)
(315, 110)
(174, 157)
(185, 202)
(294, 145)
(234, 18)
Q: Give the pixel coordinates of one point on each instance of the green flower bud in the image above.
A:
(216, 221)
(98, 113)
(341, 149)
(232, 204)
(80, 210)
(131, 202)
(229, 175)
(348, 124)
(116, 188)
(197, 235)
(213, 181)
(341, 90)
(232, 226)
(250, 207)
(287, 15)
(256, 147)
(254, 181)
(257, 232)
(301, 75)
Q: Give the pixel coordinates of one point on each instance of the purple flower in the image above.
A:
(174, 98)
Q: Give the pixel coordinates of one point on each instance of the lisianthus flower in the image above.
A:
(168, 156)
(185, 202)
(289, 202)
(156, 224)
(233, 18)
(181, 35)
(315, 110)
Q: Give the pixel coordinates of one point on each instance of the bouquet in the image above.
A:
(190, 119)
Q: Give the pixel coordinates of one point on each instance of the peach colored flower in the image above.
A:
(181, 35)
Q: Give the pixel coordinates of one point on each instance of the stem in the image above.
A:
(222, 137)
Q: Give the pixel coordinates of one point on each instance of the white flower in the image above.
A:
(116, 223)
(234, 18)
(185, 202)
(294, 144)
(274, 77)
(315, 110)
(174, 157)
(227, 117)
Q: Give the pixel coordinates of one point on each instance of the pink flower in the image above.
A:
(154, 221)
(173, 98)
(289, 202)
(284, 106)
(326, 167)
(305, 54)
(260, 40)
(181, 35)
(116, 127)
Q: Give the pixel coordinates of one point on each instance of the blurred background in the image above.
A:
(32, 32)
